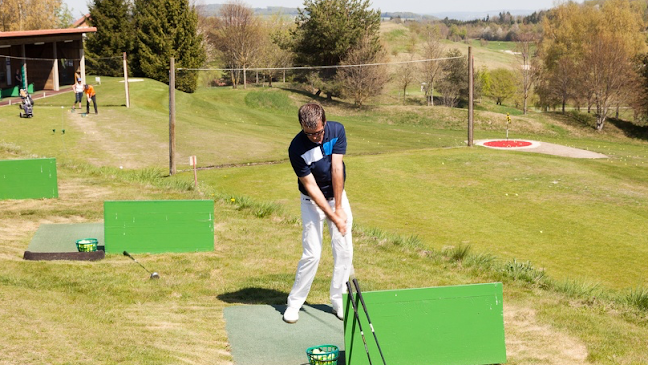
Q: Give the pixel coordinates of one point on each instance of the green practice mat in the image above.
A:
(159, 226)
(28, 179)
(259, 336)
(450, 325)
(58, 242)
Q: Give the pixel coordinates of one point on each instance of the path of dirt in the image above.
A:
(547, 148)
(530, 342)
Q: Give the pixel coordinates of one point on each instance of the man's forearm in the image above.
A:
(337, 174)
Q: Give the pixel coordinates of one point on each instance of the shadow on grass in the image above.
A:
(326, 101)
(630, 129)
(255, 296)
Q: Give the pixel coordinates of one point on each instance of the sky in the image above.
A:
(416, 6)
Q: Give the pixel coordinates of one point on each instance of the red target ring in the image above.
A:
(507, 143)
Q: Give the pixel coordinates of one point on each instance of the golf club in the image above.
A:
(357, 317)
(364, 306)
(154, 275)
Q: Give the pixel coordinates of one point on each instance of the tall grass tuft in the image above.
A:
(258, 209)
(481, 261)
(381, 236)
(637, 297)
(457, 253)
(411, 241)
(579, 289)
(523, 271)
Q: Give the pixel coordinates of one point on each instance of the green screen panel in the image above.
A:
(159, 226)
(453, 325)
(28, 179)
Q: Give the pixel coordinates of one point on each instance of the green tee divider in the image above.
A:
(28, 179)
(452, 325)
(159, 226)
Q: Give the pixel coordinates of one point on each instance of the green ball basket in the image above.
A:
(325, 355)
(87, 245)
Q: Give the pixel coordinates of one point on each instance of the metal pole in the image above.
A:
(470, 97)
(172, 163)
(126, 81)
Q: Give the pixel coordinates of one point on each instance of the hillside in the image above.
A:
(573, 292)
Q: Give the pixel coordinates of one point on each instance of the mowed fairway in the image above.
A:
(409, 175)
(572, 217)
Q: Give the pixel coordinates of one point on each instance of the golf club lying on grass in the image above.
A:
(357, 317)
(154, 275)
(364, 306)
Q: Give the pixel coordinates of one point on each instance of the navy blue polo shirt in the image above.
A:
(308, 157)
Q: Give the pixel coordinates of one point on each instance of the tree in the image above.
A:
(562, 48)
(588, 51)
(362, 82)
(483, 79)
(327, 29)
(454, 83)
(115, 35)
(165, 29)
(29, 14)
(502, 85)
(404, 77)
(237, 33)
(276, 33)
(524, 46)
(432, 49)
(610, 73)
(639, 99)
(64, 16)
(610, 52)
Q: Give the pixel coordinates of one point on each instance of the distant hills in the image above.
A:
(212, 9)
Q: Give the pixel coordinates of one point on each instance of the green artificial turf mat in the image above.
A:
(258, 335)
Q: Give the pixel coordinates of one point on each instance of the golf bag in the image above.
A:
(26, 104)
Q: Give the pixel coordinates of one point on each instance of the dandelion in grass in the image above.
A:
(233, 200)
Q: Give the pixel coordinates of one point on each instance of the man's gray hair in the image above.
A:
(311, 114)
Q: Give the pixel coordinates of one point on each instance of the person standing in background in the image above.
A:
(78, 89)
(90, 94)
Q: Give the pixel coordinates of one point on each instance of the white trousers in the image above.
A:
(313, 222)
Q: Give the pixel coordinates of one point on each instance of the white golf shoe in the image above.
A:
(338, 310)
(291, 315)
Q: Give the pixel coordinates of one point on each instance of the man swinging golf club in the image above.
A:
(316, 155)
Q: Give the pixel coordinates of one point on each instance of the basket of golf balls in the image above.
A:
(323, 355)
(87, 245)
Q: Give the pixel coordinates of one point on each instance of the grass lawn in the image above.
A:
(428, 210)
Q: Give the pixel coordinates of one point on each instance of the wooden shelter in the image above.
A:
(45, 59)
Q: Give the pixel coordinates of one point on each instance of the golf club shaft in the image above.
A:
(127, 254)
(364, 307)
(357, 317)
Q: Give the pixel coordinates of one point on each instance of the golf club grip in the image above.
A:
(357, 317)
(355, 309)
(127, 254)
(364, 306)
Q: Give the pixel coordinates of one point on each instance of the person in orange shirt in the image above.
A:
(90, 94)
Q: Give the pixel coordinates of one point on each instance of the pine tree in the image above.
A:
(165, 29)
(104, 49)
(328, 29)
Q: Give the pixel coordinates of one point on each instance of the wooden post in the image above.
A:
(172, 163)
(126, 81)
(55, 69)
(470, 97)
(193, 161)
(82, 65)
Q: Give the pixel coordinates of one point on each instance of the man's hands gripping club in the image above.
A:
(337, 215)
